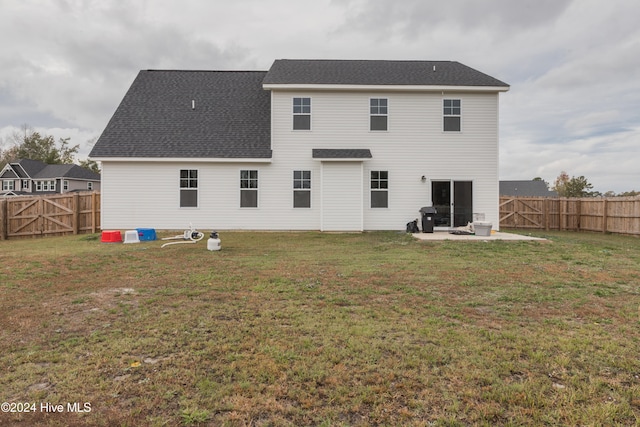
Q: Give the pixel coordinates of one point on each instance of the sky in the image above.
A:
(573, 65)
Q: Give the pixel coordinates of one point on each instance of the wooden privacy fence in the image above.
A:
(28, 216)
(619, 215)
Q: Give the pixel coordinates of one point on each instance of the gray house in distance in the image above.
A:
(330, 145)
(33, 177)
(526, 189)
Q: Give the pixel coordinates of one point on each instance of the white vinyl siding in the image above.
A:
(129, 202)
(415, 146)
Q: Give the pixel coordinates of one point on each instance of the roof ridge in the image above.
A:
(368, 60)
(204, 71)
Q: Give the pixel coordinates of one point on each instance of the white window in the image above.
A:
(89, 185)
(25, 185)
(7, 185)
(379, 111)
(452, 113)
(45, 186)
(188, 188)
(248, 188)
(301, 113)
(301, 189)
(379, 189)
(65, 185)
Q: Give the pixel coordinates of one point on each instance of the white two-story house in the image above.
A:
(308, 145)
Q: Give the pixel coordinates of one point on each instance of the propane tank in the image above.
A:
(213, 244)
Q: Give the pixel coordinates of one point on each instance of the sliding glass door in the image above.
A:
(453, 201)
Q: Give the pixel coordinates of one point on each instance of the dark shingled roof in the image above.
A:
(232, 114)
(526, 189)
(231, 119)
(340, 153)
(31, 167)
(337, 72)
(40, 170)
(67, 171)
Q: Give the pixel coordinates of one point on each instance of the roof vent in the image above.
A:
(193, 104)
(434, 68)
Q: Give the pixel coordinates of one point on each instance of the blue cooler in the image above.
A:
(146, 234)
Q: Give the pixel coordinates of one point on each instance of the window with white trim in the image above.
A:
(379, 189)
(379, 112)
(452, 113)
(65, 185)
(45, 186)
(248, 188)
(188, 188)
(301, 189)
(301, 113)
(7, 185)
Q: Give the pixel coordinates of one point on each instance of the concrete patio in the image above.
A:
(495, 235)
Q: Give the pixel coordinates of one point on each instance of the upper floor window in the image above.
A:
(301, 113)
(248, 188)
(379, 189)
(188, 188)
(451, 113)
(301, 189)
(379, 111)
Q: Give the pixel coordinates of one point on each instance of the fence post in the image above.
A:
(93, 212)
(75, 219)
(3, 219)
(546, 214)
(40, 210)
(604, 215)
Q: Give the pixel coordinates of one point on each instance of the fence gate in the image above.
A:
(38, 216)
(522, 213)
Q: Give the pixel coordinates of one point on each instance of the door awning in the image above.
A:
(341, 154)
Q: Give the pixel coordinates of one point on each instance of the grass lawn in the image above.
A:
(291, 329)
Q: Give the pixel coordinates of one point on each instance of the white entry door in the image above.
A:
(342, 196)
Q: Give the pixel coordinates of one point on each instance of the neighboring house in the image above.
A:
(526, 189)
(309, 145)
(30, 177)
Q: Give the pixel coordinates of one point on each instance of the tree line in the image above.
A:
(579, 186)
(30, 144)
